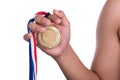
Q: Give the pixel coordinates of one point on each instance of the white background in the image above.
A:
(14, 14)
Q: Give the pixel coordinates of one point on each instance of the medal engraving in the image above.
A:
(50, 38)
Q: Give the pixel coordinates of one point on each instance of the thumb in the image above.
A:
(27, 36)
(61, 15)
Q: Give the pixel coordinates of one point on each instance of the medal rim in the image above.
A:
(58, 38)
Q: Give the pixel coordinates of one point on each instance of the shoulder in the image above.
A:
(110, 15)
(113, 6)
(106, 61)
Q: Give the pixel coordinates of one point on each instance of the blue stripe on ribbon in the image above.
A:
(32, 75)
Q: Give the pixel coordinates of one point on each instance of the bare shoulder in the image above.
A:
(106, 63)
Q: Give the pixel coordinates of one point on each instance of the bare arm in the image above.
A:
(107, 58)
(72, 66)
(106, 63)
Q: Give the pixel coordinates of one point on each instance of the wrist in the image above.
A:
(63, 53)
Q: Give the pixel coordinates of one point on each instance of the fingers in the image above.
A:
(61, 15)
(57, 18)
(40, 24)
(47, 21)
(39, 19)
(27, 36)
(36, 28)
(54, 19)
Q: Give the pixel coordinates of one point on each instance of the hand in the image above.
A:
(57, 19)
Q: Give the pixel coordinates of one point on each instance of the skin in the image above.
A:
(106, 62)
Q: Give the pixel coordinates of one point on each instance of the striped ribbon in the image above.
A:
(32, 51)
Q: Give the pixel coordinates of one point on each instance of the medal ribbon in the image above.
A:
(32, 50)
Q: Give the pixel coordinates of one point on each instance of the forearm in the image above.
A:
(72, 67)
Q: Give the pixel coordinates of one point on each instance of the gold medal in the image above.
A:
(50, 38)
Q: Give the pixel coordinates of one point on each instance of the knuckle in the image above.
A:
(45, 21)
(33, 27)
(30, 25)
(58, 21)
(38, 19)
(42, 20)
(55, 19)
